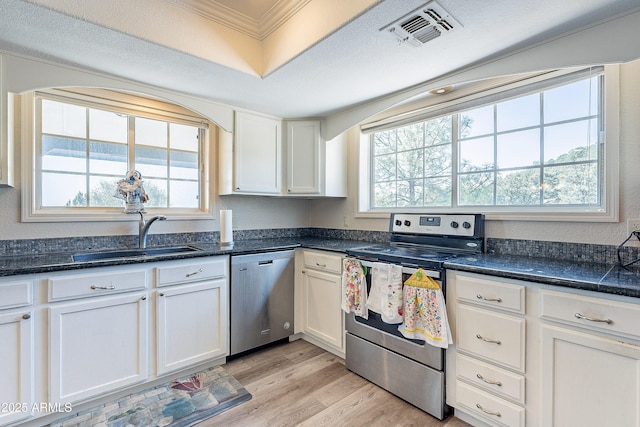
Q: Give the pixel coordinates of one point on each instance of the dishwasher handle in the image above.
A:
(265, 262)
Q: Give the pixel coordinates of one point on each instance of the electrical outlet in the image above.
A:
(633, 224)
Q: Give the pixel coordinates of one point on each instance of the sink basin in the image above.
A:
(132, 253)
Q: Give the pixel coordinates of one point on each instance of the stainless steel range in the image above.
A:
(377, 351)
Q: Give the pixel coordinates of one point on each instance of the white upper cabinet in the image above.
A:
(315, 167)
(251, 157)
(304, 157)
(6, 134)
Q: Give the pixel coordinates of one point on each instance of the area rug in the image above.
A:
(179, 403)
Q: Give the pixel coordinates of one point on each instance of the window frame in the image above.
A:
(130, 104)
(474, 95)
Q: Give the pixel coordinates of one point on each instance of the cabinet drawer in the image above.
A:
(489, 407)
(491, 378)
(490, 293)
(598, 314)
(321, 261)
(193, 271)
(496, 337)
(16, 294)
(95, 283)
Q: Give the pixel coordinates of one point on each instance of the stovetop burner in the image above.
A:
(427, 240)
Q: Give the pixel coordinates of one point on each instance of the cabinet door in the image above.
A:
(257, 154)
(192, 324)
(16, 368)
(305, 159)
(322, 315)
(97, 345)
(588, 380)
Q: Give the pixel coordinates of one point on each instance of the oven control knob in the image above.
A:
(398, 222)
(466, 225)
(454, 224)
(407, 222)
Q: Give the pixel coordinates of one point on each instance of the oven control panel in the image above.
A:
(465, 225)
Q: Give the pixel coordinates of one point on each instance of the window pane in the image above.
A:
(438, 160)
(476, 189)
(476, 122)
(106, 158)
(411, 137)
(571, 184)
(438, 131)
(184, 194)
(151, 162)
(384, 142)
(385, 194)
(102, 190)
(107, 126)
(385, 168)
(183, 137)
(572, 101)
(410, 164)
(571, 142)
(519, 149)
(184, 165)
(64, 119)
(518, 113)
(151, 132)
(156, 189)
(410, 192)
(518, 187)
(437, 191)
(61, 189)
(63, 154)
(476, 154)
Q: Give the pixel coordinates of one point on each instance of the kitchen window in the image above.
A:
(85, 141)
(532, 151)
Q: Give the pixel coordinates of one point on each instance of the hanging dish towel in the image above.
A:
(385, 297)
(425, 315)
(354, 287)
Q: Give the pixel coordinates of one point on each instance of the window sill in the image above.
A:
(110, 215)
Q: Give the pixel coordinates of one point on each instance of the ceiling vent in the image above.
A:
(423, 24)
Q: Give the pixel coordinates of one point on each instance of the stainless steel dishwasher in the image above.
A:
(261, 299)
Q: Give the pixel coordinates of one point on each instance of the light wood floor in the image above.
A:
(299, 384)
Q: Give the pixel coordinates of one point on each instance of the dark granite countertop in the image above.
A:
(587, 276)
(63, 261)
(612, 279)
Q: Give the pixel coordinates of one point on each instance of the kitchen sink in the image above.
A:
(132, 253)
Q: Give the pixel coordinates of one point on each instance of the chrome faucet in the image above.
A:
(143, 228)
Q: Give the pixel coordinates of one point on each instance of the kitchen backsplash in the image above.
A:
(579, 252)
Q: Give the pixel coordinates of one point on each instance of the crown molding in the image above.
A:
(275, 17)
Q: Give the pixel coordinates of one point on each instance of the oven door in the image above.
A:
(387, 335)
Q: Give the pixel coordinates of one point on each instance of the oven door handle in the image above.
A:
(406, 269)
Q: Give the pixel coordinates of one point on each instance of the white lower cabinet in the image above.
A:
(16, 365)
(578, 364)
(191, 324)
(97, 346)
(321, 315)
(590, 361)
(485, 375)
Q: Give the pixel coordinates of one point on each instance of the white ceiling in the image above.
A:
(346, 62)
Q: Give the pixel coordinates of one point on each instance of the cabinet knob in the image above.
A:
(161, 294)
(143, 298)
(26, 316)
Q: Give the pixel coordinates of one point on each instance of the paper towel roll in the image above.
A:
(226, 232)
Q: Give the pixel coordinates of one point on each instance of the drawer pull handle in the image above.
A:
(480, 337)
(493, 382)
(483, 298)
(194, 273)
(486, 411)
(591, 319)
(321, 265)
(103, 288)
